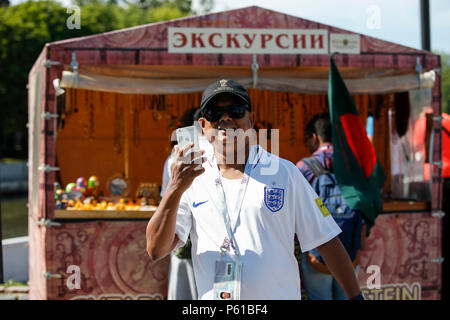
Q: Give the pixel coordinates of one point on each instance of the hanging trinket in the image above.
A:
(291, 123)
(136, 128)
(85, 113)
(91, 117)
(118, 125)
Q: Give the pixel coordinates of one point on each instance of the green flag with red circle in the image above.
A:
(358, 172)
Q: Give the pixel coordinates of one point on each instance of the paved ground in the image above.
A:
(14, 293)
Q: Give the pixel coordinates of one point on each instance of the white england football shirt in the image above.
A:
(279, 203)
(231, 190)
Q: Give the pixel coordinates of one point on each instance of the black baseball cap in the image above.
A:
(224, 86)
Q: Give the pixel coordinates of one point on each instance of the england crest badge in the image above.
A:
(274, 198)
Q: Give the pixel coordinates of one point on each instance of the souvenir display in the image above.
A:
(81, 185)
(86, 195)
(117, 185)
(75, 195)
(93, 187)
(58, 190)
(70, 186)
(58, 194)
(56, 186)
(93, 204)
(148, 193)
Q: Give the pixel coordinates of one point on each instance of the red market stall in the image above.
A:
(105, 106)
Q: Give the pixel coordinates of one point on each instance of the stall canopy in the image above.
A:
(114, 79)
(163, 80)
(269, 51)
(148, 58)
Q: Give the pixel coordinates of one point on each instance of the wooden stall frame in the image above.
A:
(147, 45)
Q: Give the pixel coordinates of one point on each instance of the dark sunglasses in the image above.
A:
(213, 114)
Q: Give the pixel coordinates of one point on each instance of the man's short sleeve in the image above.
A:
(184, 221)
(314, 225)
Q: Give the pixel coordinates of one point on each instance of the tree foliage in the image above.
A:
(445, 66)
(26, 27)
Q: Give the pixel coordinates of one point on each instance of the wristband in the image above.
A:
(360, 296)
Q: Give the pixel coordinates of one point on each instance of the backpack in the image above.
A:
(350, 221)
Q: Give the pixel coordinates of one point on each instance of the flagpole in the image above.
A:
(425, 24)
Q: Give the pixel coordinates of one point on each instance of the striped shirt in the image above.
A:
(325, 156)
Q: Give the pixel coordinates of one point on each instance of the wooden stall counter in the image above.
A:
(405, 206)
(105, 214)
(388, 206)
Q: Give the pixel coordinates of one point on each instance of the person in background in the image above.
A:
(369, 127)
(181, 274)
(317, 169)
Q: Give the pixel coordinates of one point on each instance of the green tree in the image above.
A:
(206, 6)
(183, 6)
(26, 27)
(445, 66)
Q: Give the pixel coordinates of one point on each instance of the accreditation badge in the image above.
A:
(227, 278)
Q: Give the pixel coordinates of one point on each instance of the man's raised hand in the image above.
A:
(186, 166)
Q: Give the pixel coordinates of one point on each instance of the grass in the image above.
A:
(14, 215)
(10, 160)
(12, 283)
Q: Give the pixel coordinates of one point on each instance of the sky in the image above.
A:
(392, 20)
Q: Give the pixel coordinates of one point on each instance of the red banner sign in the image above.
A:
(252, 41)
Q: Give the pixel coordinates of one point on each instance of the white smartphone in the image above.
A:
(186, 135)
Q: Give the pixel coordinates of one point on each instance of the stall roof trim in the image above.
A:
(237, 18)
(147, 44)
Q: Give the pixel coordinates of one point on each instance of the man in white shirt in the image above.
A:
(243, 212)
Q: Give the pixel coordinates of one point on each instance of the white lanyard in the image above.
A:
(237, 210)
